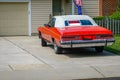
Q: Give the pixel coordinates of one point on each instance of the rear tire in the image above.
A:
(99, 49)
(43, 42)
(58, 50)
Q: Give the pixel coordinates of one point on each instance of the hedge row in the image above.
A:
(115, 15)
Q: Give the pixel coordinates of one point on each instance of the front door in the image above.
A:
(56, 7)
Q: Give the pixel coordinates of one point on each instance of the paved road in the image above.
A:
(23, 58)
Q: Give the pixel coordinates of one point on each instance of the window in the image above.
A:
(85, 22)
(77, 22)
(66, 23)
(52, 22)
(72, 23)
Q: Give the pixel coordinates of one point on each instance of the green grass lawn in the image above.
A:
(115, 48)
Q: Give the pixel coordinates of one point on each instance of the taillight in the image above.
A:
(67, 38)
(104, 36)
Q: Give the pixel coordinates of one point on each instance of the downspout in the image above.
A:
(29, 19)
(73, 8)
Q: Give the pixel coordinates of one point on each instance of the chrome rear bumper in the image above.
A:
(87, 43)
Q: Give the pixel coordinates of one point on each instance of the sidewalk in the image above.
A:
(23, 58)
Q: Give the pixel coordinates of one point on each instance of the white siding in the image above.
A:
(90, 7)
(68, 8)
(41, 9)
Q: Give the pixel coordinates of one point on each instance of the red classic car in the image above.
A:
(74, 31)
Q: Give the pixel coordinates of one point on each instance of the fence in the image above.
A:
(112, 24)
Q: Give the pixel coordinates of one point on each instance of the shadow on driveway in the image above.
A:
(86, 52)
(83, 52)
(117, 78)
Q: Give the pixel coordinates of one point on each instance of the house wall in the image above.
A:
(109, 7)
(41, 9)
(68, 7)
(14, 0)
(90, 7)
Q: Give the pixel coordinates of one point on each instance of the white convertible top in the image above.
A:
(60, 20)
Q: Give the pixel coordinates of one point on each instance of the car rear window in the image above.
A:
(77, 22)
(86, 22)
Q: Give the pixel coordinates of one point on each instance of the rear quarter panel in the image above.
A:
(50, 33)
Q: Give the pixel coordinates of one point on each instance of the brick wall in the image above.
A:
(109, 6)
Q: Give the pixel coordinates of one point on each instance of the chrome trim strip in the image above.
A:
(87, 43)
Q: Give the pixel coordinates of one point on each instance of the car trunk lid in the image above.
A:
(85, 32)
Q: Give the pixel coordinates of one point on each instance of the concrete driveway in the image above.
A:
(23, 58)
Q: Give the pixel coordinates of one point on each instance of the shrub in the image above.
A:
(115, 15)
(99, 17)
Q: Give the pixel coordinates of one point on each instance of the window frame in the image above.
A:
(52, 22)
(89, 23)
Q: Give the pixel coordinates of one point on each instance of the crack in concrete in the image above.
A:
(27, 52)
(11, 67)
(98, 71)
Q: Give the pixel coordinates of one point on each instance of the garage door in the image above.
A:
(13, 19)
